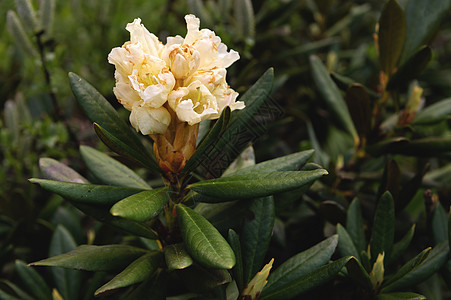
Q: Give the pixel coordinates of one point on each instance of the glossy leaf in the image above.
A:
(142, 206)
(401, 246)
(355, 226)
(109, 170)
(33, 282)
(383, 227)
(54, 170)
(255, 185)
(94, 258)
(434, 113)
(176, 257)
(332, 96)
(418, 272)
(346, 246)
(86, 193)
(256, 235)
(400, 296)
(203, 241)
(291, 162)
(439, 224)
(68, 282)
(298, 266)
(238, 269)
(430, 13)
(136, 272)
(306, 282)
(392, 32)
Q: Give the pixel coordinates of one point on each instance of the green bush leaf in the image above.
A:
(54, 170)
(238, 269)
(86, 193)
(400, 296)
(199, 279)
(383, 227)
(303, 283)
(19, 292)
(291, 162)
(358, 103)
(434, 113)
(401, 246)
(176, 257)
(346, 246)
(357, 272)
(136, 272)
(244, 18)
(46, 14)
(299, 266)
(141, 206)
(17, 31)
(153, 288)
(68, 282)
(355, 226)
(203, 242)
(256, 235)
(413, 272)
(332, 96)
(392, 32)
(99, 110)
(33, 282)
(27, 15)
(109, 170)
(253, 185)
(423, 18)
(439, 224)
(94, 258)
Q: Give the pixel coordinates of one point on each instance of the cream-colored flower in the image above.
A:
(150, 120)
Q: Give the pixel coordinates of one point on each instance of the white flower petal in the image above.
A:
(150, 120)
(139, 34)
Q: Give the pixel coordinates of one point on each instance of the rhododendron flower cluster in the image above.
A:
(187, 76)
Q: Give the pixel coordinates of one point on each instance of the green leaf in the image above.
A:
(411, 69)
(27, 15)
(54, 170)
(142, 206)
(256, 235)
(355, 226)
(201, 280)
(358, 103)
(401, 246)
(346, 246)
(136, 272)
(306, 282)
(255, 185)
(392, 32)
(17, 31)
(99, 110)
(291, 162)
(207, 143)
(33, 282)
(383, 227)
(47, 13)
(244, 18)
(203, 241)
(425, 147)
(238, 269)
(109, 170)
(244, 160)
(414, 273)
(86, 193)
(439, 224)
(68, 282)
(297, 267)
(332, 96)
(94, 258)
(5, 296)
(423, 17)
(153, 288)
(176, 257)
(400, 296)
(434, 113)
(357, 272)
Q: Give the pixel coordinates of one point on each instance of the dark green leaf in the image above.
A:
(142, 206)
(400, 296)
(86, 193)
(256, 235)
(55, 170)
(244, 160)
(304, 283)
(425, 147)
(94, 258)
(255, 185)
(205, 244)
(19, 292)
(68, 282)
(383, 227)
(434, 113)
(419, 272)
(355, 226)
(358, 274)
(401, 246)
(238, 271)
(153, 288)
(439, 224)
(392, 32)
(176, 257)
(136, 272)
(410, 189)
(423, 18)
(109, 170)
(199, 279)
(244, 19)
(332, 96)
(6, 296)
(358, 103)
(301, 265)
(346, 246)
(291, 162)
(33, 282)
